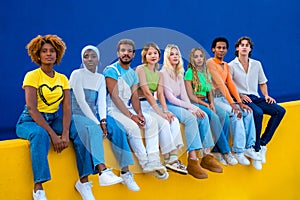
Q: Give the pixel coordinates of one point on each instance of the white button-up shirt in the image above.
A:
(247, 83)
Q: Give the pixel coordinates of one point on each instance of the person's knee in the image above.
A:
(281, 111)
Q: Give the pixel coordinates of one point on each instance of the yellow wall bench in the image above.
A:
(279, 178)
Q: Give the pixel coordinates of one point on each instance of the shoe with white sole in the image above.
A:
(242, 159)
(129, 181)
(263, 152)
(39, 195)
(257, 164)
(230, 159)
(107, 177)
(85, 190)
(251, 153)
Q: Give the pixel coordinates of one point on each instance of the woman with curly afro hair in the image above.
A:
(40, 123)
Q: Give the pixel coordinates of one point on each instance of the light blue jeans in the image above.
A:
(28, 129)
(91, 133)
(119, 142)
(219, 124)
(242, 130)
(197, 131)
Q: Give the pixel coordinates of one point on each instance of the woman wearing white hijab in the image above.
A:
(88, 95)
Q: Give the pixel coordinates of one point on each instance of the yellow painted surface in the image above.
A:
(279, 178)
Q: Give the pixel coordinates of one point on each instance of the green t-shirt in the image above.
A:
(204, 87)
(152, 79)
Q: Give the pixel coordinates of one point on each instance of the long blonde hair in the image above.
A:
(196, 82)
(178, 71)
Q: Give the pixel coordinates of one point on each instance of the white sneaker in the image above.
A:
(219, 157)
(39, 195)
(251, 153)
(159, 175)
(85, 190)
(242, 159)
(154, 166)
(230, 159)
(263, 151)
(128, 180)
(256, 164)
(107, 177)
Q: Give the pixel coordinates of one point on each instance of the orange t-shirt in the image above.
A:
(222, 79)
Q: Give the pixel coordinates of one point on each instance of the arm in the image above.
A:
(31, 103)
(139, 118)
(78, 91)
(264, 90)
(210, 98)
(112, 87)
(161, 98)
(219, 83)
(67, 115)
(169, 92)
(101, 105)
(191, 95)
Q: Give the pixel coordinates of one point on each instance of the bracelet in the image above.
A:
(165, 111)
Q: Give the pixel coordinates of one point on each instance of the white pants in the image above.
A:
(169, 134)
(144, 154)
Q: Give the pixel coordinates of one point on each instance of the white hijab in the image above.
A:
(90, 47)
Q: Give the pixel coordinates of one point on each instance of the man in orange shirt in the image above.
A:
(242, 123)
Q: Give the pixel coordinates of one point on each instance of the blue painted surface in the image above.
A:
(273, 25)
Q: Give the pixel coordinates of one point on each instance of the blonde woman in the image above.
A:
(197, 130)
(151, 82)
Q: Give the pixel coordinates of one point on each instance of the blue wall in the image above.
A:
(273, 25)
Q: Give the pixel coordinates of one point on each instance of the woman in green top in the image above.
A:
(151, 84)
(199, 89)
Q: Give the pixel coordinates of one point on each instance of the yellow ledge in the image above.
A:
(279, 178)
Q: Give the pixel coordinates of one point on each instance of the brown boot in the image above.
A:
(209, 162)
(194, 169)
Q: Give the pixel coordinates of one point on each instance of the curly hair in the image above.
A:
(178, 71)
(196, 82)
(35, 45)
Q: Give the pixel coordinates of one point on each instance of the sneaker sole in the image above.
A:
(180, 171)
(159, 175)
(111, 183)
(161, 169)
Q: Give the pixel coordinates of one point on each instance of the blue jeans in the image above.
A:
(27, 128)
(242, 130)
(261, 107)
(90, 134)
(120, 146)
(193, 127)
(219, 124)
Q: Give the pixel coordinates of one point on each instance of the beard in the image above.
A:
(125, 62)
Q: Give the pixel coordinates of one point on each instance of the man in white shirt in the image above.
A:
(248, 74)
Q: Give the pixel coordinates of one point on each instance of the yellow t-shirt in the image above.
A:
(50, 91)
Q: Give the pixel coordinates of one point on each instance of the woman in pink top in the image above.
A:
(197, 129)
